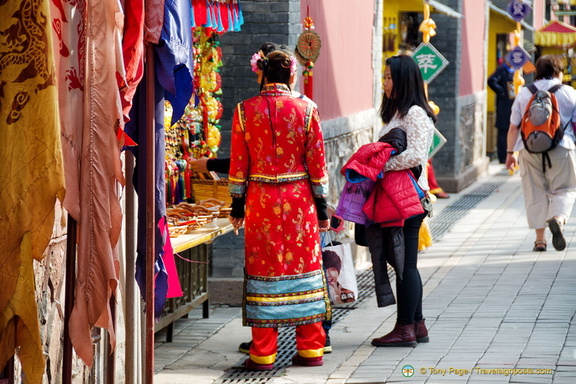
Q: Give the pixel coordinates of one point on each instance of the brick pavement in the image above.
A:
(491, 305)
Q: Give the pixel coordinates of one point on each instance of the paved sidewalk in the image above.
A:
(497, 312)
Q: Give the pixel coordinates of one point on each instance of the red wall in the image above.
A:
(343, 74)
(473, 34)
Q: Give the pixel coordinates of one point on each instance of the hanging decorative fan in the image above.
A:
(308, 47)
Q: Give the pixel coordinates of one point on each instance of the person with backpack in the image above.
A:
(541, 133)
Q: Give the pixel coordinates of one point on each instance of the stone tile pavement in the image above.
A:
(497, 312)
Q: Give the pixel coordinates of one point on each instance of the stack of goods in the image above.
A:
(184, 217)
(208, 84)
(197, 132)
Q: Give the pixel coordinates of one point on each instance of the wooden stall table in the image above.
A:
(194, 250)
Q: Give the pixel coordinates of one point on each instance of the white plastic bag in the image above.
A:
(340, 273)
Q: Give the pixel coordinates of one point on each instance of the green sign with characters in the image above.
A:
(438, 141)
(430, 61)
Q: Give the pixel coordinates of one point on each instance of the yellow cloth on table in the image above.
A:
(31, 174)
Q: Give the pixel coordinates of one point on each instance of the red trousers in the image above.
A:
(432, 183)
(310, 339)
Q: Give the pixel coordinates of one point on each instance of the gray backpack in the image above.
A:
(540, 127)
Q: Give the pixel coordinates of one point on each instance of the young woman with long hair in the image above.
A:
(405, 106)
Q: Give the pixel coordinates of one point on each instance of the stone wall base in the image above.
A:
(225, 290)
(466, 178)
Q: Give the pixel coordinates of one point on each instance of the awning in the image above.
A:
(507, 15)
(438, 6)
(555, 34)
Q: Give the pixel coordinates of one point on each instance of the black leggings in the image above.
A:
(409, 291)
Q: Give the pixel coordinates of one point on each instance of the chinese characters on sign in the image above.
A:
(430, 61)
(517, 57)
(518, 10)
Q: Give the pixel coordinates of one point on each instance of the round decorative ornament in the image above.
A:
(308, 47)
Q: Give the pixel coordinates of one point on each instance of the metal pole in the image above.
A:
(130, 318)
(69, 301)
(111, 354)
(150, 219)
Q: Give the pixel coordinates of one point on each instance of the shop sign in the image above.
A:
(517, 57)
(518, 9)
(438, 141)
(430, 61)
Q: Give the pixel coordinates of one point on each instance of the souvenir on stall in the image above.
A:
(192, 199)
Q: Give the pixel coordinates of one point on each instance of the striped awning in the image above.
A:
(439, 7)
(555, 34)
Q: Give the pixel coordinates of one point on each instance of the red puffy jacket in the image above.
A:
(394, 197)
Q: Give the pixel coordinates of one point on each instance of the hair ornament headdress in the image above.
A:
(293, 65)
(254, 60)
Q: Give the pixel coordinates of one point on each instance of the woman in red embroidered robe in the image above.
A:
(279, 184)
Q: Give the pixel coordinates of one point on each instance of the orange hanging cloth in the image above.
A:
(101, 179)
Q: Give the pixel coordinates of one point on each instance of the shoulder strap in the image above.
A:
(532, 88)
(555, 88)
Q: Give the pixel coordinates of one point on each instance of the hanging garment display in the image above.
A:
(218, 15)
(31, 176)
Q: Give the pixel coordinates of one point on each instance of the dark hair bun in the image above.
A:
(280, 58)
(276, 67)
(262, 64)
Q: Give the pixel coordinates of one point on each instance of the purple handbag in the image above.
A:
(352, 200)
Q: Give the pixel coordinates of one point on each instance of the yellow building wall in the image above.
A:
(498, 24)
(391, 14)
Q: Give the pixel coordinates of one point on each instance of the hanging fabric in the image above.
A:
(101, 178)
(174, 64)
(219, 15)
(31, 176)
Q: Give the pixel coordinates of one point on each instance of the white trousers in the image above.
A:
(551, 192)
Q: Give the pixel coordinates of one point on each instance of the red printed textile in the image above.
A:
(281, 229)
(277, 162)
(276, 138)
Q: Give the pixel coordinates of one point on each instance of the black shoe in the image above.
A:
(327, 345)
(558, 240)
(245, 347)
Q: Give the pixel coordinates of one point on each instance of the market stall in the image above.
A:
(559, 38)
(193, 250)
(100, 72)
(196, 205)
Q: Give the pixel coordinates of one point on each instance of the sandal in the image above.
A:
(539, 246)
